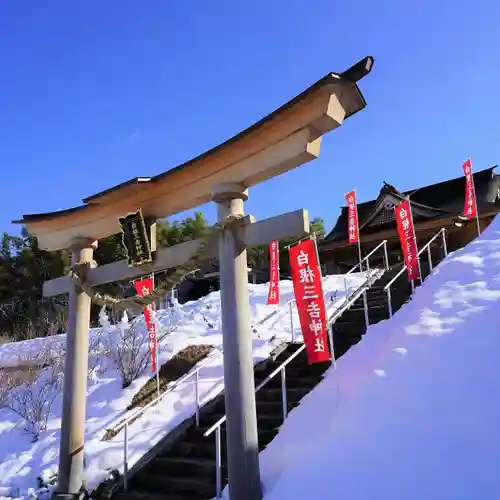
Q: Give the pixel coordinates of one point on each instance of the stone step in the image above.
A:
(301, 368)
(376, 300)
(274, 394)
(181, 466)
(354, 320)
(339, 352)
(203, 447)
(175, 485)
(341, 341)
(342, 349)
(273, 407)
(344, 337)
(265, 437)
(371, 304)
(148, 495)
(373, 308)
(349, 326)
(295, 376)
(358, 317)
(195, 445)
(265, 421)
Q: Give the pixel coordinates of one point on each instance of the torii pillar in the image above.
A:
(239, 386)
(71, 446)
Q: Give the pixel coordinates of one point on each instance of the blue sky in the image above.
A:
(132, 88)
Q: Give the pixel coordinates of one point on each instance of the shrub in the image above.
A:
(129, 351)
(31, 387)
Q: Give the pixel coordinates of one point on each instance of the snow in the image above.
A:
(22, 460)
(412, 411)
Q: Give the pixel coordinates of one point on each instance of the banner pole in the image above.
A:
(157, 378)
(273, 293)
(328, 329)
(278, 277)
(475, 198)
(154, 324)
(415, 240)
(359, 256)
(359, 236)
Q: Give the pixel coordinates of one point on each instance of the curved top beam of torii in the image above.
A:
(281, 141)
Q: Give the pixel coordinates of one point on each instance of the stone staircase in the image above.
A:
(349, 329)
(182, 466)
(185, 469)
(351, 326)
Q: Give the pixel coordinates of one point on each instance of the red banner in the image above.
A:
(273, 296)
(308, 290)
(352, 217)
(406, 233)
(470, 206)
(145, 287)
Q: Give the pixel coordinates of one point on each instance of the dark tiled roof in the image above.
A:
(442, 198)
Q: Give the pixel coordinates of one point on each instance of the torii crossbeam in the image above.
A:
(283, 140)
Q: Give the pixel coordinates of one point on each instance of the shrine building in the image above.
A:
(433, 207)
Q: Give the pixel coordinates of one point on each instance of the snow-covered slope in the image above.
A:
(21, 460)
(413, 411)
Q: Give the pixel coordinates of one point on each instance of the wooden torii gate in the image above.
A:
(285, 139)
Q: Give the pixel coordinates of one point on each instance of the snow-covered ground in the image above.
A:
(22, 461)
(413, 411)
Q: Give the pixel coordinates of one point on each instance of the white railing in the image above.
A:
(427, 246)
(291, 303)
(131, 418)
(373, 275)
(277, 312)
(383, 245)
(124, 425)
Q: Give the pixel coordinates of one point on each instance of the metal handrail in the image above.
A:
(183, 379)
(427, 246)
(355, 296)
(272, 314)
(403, 269)
(367, 257)
(374, 273)
(262, 384)
(169, 389)
(281, 369)
(194, 373)
(350, 300)
(124, 425)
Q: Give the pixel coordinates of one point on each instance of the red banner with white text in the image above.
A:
(404, 221)
(470, 206)
(352, 217)
(308, 290)
(145, 287)
(273, 296)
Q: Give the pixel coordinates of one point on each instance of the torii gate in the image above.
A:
(285, 139)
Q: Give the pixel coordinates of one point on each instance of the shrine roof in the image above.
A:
(441, 200)
(284, 139)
